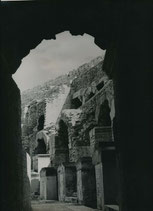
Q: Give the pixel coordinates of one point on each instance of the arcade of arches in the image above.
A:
(123, 29)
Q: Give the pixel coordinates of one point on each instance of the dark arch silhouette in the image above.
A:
(41, 147)
(41, 122)
(63, 134)
(124, 29)
(104, 114)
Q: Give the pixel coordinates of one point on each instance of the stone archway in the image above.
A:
(62, 145)
(41, 122)
(104, 118)
(123, 28)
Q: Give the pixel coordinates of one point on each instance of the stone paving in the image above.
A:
(58, 206)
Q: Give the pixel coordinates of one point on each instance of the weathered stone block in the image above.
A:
(99, 185)
(48, 184)
(86, 182)
(78, 152)
(66, 181)
(41, 161)
(35, 183)
(98, 135)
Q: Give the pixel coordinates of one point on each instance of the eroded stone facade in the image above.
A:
(75, 130)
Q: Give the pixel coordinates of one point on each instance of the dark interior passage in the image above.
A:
(76, 103)
(41, 147)
(110, 177)
(104, 115)
(41, 122)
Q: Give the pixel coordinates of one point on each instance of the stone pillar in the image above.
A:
(97, 161)
(67, 189)
(86, 183)
(58, 154)
(98, 135)
(48, 184)
(14, 182)
(35, 183)
(104, 160)
(110, 174)
(28, 166)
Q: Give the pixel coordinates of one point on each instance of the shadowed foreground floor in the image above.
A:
(57, 206)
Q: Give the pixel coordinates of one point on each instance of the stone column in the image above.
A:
(104, 160)
(86, 183)
(67, 190)
(58, 153)
(14, 182)
(48, 184)
(97, 162)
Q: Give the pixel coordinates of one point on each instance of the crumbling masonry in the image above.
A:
(70, 140)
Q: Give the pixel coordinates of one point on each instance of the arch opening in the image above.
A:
(63, 135)
(62, 142)
(104, 118)
(100, 85)
(41, 121)
(41, 147)
(76, 103)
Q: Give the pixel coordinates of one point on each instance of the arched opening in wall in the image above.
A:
(100, 85)
(47, 74)
(104, 118)
(76, 103)
(41, 147)
(63, 140)
(41, 121)
(108, 156)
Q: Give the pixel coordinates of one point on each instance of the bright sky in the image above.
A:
(52, 58)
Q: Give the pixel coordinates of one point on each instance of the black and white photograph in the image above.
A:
(76, 105)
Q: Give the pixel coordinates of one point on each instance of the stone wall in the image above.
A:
(13, 172)
(30, 124)
(67, 181)
(85, 79)
(26, 184)
(86, 183)
(80, 121)
(34, 111)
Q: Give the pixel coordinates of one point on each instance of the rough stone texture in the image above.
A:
(86, 186)
(67, 130)
(98, 135)
(86, 78)
(35, 183)
(78, 152)
(48, 184)
(25, 184)
(52, 88)
(34, 111)
(13, 174)
(30, 124)
(124, 28)
(66, 181)
(80, 121)
(99, 186)
(67, 135)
